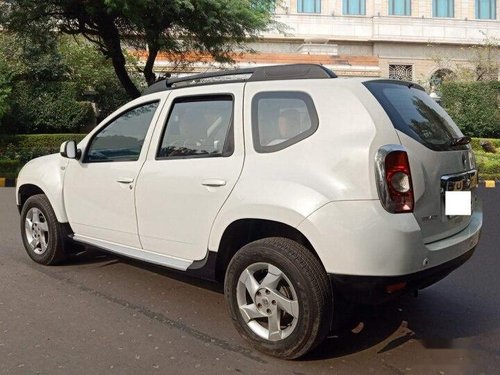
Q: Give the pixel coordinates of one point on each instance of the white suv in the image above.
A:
(295, 188)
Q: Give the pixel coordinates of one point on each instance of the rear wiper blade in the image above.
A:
(460, 141)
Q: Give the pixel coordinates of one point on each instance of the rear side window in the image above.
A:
(199, 126)
(416, 114)
(281, 119)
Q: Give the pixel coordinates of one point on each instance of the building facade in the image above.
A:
(409, 39)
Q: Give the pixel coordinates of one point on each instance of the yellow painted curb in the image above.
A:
(7, 182)
(489, 183)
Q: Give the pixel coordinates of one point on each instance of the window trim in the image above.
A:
(85, 159)
(199, 98)
(311, 109)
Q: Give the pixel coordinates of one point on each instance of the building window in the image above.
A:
(486, 9)
(309, 6)
(354, 7)
(402, 72)
(443, 8)
(400, 7)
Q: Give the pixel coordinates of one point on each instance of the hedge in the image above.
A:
(29, 141)
(22, 148)
(47, 107)
(488, 163)
(473, 106)
(9, 166)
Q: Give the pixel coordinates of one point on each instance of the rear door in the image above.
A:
(437, 164)
(194, 161)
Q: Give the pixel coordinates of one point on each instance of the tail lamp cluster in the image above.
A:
(394, 183)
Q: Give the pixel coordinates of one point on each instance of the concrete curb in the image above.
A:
(489, 183)
(7, 182)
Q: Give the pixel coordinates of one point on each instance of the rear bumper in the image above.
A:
(360, 238)
(374, 289)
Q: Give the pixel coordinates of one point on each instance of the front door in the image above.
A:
(99, 189)
(190, 171)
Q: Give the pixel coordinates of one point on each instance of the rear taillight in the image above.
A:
(394, 183)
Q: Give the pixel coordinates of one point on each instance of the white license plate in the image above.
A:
(457, 203)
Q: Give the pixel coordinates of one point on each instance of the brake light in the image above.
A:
(394, 179)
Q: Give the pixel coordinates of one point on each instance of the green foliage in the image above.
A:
(5, 90)
(488, 164)
(40, 96)
(476, 143)
(47, 107)
(92, 72)
(174, 26)
(31, 141)
(17, 150)
(473, 106)
(9, 168)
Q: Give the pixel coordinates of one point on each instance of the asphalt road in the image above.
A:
(102, 314)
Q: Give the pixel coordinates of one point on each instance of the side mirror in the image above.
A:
(69, 150)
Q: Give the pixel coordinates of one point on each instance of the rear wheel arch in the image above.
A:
(279, 297)
(244, 231)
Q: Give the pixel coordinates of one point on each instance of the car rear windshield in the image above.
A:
(416, 114)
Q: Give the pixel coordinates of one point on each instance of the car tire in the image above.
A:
(43, 236)
(279, 284)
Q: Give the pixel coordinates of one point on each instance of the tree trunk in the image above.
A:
(111, 38)
(118, 61)
(148, 68)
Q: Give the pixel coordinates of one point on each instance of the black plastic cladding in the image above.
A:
(263, 73)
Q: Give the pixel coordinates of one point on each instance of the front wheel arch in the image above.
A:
(26, 191)
(44, 238)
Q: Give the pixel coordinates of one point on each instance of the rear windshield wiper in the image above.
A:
(460, 141)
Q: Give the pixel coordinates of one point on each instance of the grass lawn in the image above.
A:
(488, 164)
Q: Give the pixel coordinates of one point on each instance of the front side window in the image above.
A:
(443, 8)
(486, 9)
(198, 127)
(122, 138)
(281, 119)
(400, 7)
(309, 6)
(354, 7)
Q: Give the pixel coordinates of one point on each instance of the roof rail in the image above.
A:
(261, 73)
